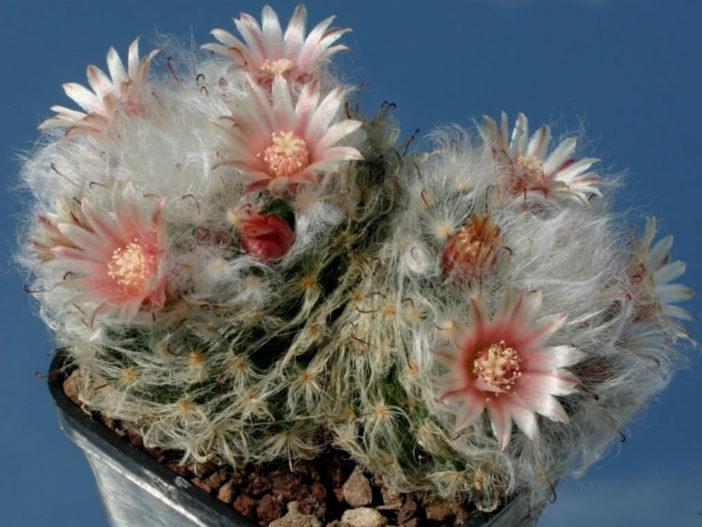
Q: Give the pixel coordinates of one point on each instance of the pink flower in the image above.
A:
(650, 271)
(471, 252)
(116, 261)
(124, 91)
(267, 237)
(277, 145)
(267, 51)
(502, 365)
(528, 168)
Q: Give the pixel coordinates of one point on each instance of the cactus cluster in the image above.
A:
(246, 268)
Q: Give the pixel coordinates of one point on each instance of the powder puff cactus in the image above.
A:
(281, 276)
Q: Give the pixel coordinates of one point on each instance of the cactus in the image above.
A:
(246, 268)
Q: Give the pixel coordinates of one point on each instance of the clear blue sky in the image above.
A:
(629, 71)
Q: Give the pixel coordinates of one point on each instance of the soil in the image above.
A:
(328, 491)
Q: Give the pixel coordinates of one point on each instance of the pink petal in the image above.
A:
(102, 227)
(313, 39)
(307, 104)
(295, 32)
(250, 30)
(83, 238)
(272, 33)
(471, 409)
(283, 109)
(98, 81)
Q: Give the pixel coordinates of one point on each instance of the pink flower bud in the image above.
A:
(265, 236)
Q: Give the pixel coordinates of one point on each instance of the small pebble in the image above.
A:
(226, 492)
(357, 490)
(391, 498)
(364, 517)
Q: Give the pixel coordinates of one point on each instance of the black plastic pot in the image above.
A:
(138, 491)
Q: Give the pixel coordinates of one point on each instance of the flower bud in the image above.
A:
(471, 251)
(265, 236)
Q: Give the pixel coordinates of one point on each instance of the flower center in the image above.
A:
(533, 167)
(530, 164)
(132, 266)
(287, 154)
(497, 368)
(276, 66)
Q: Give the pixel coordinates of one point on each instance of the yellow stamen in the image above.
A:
(275, 66)
(287, 154)
(132, 266)
(498, 367)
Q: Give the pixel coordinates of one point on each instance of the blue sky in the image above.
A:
(626, 71)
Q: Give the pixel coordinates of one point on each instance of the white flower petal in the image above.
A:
(668, 293)
(115, 67)
(524, 417)
(520, 134)
(543, 403)
(576, 168)
(501, 422)
(560, 155)
(549, 383)
(659, 253)
(669, 272)
(539, 142)
(677, 312)
(337, 132)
